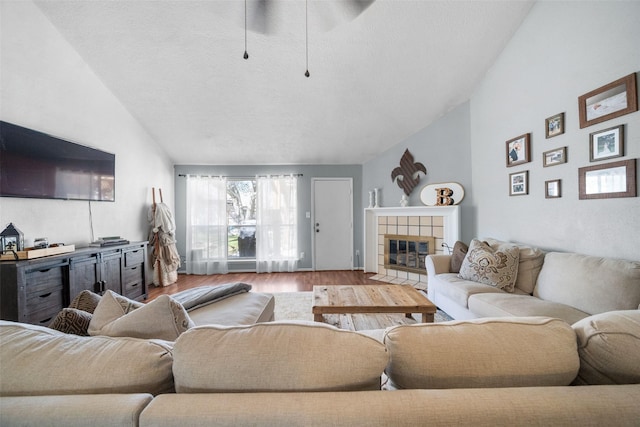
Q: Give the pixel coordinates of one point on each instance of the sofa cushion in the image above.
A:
(40, 361)
(163, 318)
(492, 267)
(457, 289)
(72, 321)
(529, 264)
(591, 284)
(609, 348)
(276, 356)
(460, 250)
(244, 308)
(501, 305)
(491, 352)
(119, 410)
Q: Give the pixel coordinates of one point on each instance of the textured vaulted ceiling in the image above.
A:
(376, 78)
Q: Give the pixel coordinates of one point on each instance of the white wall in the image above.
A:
(46, 86)
(561, 51)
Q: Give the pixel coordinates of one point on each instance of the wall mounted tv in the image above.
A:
(36, 165)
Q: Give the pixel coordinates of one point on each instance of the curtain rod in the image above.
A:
(239, 177)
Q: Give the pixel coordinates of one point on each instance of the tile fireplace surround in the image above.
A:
(441, 222)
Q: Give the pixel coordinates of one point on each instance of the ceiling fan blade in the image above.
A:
(265, 16)
(356, 7)
(260, 11)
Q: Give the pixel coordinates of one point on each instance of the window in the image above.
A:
(241, 219)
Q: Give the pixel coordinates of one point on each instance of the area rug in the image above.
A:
(297, 306)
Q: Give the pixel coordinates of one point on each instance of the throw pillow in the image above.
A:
(111, 307)
(72, 321)
(531, 260)
(163, 318)
(86, 301)
(498, 268)
(460, 250)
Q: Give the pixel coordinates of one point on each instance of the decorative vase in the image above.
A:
(377, 200)
(371, 199)
(404, 201)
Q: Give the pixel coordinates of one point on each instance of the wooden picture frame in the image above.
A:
(606, 143)
(554, 157)
(519, 183)
(518, 150)
(608, 181)
(613, 100)
(552, 189)
(554, 126)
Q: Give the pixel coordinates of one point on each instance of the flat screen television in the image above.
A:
(36, 165)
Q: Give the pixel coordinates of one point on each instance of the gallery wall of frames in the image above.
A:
(609, 174)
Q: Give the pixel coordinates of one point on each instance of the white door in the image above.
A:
(333, 223)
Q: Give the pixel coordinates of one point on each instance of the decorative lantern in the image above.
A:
(12, 239)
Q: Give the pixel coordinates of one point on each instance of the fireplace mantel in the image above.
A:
(451, 224)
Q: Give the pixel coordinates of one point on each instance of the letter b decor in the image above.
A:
(442, 194)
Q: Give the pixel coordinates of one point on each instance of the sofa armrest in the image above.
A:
(437, 264)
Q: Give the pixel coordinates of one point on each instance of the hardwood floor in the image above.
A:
(267, 282)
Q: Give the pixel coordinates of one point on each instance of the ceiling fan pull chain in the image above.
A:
(246, 55)
(306, 22)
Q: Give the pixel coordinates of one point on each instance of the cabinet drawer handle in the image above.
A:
(134, 285)
(46, 295)
(44, 271)
(134, 268)
(46, 320)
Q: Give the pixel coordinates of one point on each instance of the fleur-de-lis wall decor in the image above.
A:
(407, 173)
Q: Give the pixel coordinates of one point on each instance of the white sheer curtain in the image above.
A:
(206, 225)
(277, 224)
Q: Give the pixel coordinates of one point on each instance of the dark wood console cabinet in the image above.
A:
(34, 291)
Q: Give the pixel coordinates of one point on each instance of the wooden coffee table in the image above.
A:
(361, 307)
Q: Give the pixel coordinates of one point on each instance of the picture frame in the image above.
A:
(554, 125)
(552, 189)
(612, 100)
(518, 150)
(519, 183)
(554, 157)
(608, 181)
(606, 144)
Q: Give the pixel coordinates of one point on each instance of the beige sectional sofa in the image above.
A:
(568, 286)
(482, 372)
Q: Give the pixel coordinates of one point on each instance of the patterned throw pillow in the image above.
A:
(85, 301)
(72, 321)
(492, 267)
